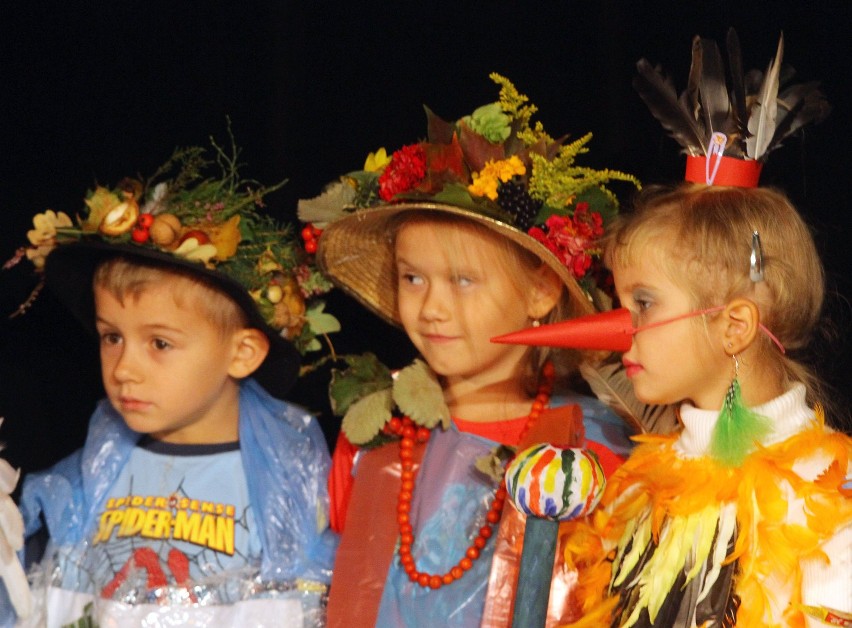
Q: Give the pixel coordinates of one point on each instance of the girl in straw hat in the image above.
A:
(485, 227)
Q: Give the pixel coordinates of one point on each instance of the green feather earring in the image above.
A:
(738, 427)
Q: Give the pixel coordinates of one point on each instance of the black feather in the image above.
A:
(738, 88)
(659, 94)
(713, 91)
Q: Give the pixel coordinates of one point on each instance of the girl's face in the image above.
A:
(166, 368)
(680, 361)
(452, 305)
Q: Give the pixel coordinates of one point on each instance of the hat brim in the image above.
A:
(70, 268)
(356, 252)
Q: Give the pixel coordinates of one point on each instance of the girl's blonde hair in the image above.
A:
(124, 278)
(702, 237)
(519, 265)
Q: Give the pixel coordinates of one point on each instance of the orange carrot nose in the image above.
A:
(607, 331)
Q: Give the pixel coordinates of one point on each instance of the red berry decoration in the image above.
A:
(145, 220)
(140, 235)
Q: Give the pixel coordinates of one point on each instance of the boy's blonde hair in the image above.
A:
(519, 265)
(125, 278)
(702, 238)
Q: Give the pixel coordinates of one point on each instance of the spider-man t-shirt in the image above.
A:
(177, 515)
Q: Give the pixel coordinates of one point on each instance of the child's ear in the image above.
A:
(544, 292)
(250, 349)
(741, 325)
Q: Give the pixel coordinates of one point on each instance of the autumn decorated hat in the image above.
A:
(205, 227)
(728, 124)
(495, 167)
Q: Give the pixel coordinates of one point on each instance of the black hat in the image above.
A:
(205, 228)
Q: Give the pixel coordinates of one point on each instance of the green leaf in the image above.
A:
(599, 202)
(418, 394)
(365, 375)
(367, 416)
(321, 322)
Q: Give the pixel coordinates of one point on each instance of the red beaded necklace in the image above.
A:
(410, 434)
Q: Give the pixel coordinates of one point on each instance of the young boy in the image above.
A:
(198, 497)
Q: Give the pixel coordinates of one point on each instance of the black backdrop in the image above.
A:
(92, 92)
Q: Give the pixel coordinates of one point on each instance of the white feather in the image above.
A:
(761, 122)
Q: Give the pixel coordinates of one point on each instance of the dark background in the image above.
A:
(92, 92)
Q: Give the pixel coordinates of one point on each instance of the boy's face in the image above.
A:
(680, 361)
(166, 368)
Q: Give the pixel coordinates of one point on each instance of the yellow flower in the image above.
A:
(377, 161)
(43, 237)
(485, 181)
(46, 225)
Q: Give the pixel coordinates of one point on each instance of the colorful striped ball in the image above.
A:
(555, 483)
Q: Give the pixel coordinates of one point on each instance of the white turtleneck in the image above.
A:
(824, 585)
(789, 415)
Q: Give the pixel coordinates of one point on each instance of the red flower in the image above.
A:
(572, 239)
(405, 170)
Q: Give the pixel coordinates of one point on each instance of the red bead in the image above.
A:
(410, 569)
(435, 582)
(413, 575)
(307, 234)
(395, 424)
(408, 431)
(465, 563)
(405, 554)
(457, 572)
(403, 507)
(492, 516)
(406, 539)
(447, 578)
(479, 542)
(402, 518)
(406, 454)
(485, 532)
(405, 528)
(423, 580)
(311, 246)
(422, 434)
(318, 232)
(472, 553)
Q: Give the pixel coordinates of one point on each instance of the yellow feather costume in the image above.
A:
(674, 534)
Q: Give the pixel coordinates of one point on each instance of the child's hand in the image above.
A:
(11, 540)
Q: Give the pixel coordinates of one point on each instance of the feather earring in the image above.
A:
(737, 428)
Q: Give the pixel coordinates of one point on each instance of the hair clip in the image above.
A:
(756, 271)
(715, 152)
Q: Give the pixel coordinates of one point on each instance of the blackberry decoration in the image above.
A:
(513, 197)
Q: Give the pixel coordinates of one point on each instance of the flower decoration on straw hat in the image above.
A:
(728, 129)
(182, 217)
(495, 166)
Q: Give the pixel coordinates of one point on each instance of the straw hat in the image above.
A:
(492, 167)
(204, 228)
